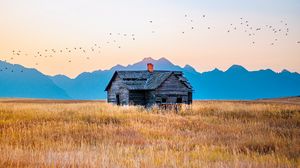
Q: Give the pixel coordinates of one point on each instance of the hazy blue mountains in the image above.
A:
(234, 83)
(17, 81)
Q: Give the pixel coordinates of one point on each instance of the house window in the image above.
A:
(179, 100)
(163, 100)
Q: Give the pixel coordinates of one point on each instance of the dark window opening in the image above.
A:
(118, 99)
(163, 100)
(190, 98)
(179, 100)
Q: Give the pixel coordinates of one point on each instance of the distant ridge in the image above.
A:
(236, 68)
(236, 83)
(17, 81)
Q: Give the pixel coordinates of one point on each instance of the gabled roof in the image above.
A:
(145, 80)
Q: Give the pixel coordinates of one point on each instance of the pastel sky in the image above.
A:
(173, 29)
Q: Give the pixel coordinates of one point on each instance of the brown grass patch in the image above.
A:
(42, 133)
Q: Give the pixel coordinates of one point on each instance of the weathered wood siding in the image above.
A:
(190, 97)
(172, 89)
(150, 98)
(118, 88)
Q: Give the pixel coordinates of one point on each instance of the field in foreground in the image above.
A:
(35, 133)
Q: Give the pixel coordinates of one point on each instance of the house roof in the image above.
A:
(145, 80)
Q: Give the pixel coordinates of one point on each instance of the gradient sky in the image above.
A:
(36, 25)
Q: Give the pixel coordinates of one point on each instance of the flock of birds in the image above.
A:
(243, 25)
(251, 30)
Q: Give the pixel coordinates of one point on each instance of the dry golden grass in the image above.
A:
(96, 134)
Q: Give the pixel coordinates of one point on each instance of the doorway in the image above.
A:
(118, 99)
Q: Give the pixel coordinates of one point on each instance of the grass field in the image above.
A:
(37, 133)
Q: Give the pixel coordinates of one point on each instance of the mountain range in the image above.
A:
(236, 83)
(20, 82)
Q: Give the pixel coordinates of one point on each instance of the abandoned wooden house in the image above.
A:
(148, 88)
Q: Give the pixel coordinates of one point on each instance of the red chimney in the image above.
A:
(150, 67)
